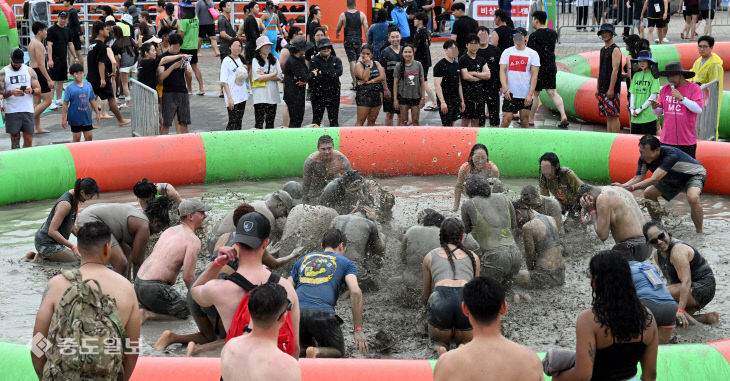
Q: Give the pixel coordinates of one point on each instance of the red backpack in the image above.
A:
(242, 317)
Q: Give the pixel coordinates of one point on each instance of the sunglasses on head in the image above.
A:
(661, 236)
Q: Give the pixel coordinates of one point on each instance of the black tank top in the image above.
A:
(374, 73)
(605, 68)
(618, 362)
(698, 267)
(353, 26)
(505, 37)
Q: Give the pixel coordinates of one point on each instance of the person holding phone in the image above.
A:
(18, 84)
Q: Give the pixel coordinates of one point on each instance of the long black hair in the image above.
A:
(260, 59)
(86, 184)
(551, 158)
(144, 189)
(293, 31)
(158, 212)
(402, 74)
(451, 232)
(615, 303)
(474, 149)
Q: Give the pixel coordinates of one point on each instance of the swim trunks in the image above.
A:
(501, 263)
(703, 291)
(641, 249)
(159, 297)
(320, 329)
(671, 186)
(544, 278)
(45, 251)
(664, 313)
(608, 108)
(444, 309)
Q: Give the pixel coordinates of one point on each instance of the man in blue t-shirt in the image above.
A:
(673, 171)
(78, 101)
(317, 278)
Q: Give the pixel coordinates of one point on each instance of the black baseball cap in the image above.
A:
(17, 56)
(63, 14)
(252, 229)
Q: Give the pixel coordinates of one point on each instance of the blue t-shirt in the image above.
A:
(318, 277)
(675, 162)
(644, 288)
(79, 110)
(400, 19)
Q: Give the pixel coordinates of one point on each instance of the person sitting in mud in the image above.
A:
(59, 301)
(252, 237)
(178, 247)
(364, 246)
(614, 210)
(652, 291)
(294, 188)
(446, 270)
(420, 239)
(275, 207)
(689, 277)
(256, 356)
(477, 165)
(491, 219)
(131, 229)
(321, 167)
(484, 306)
(146, 191)
(543, 254)
(317, 278)
(51, 240)
(211, 333)
(351, 190)
(561, 182)
(546, 205)
(304, 229)
(673, 171)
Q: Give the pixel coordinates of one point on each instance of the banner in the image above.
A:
(484, 10)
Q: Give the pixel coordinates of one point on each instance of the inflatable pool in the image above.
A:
(578, 85)
(46, 172)
(684, 362)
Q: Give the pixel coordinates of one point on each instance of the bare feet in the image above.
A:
(165, 339)
(191, 348)
(125, 122)
(440, 350)
(40, 131)
(146, 315)
(312, 352)
(106, 116)
(710, 318)
(28, 257)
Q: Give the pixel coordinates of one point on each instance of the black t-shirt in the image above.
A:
(313, 25)
(388, 59)
(59, 37)
(505, 37)
(175, 82)
(97, 53)
(251, 30)
(450, 78)
(74, 25)
(462, 28)
(472, 65)
(147, 72)
(543, 42)
(491, 54)
(422, 43)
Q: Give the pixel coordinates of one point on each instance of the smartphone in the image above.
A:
(22, 88)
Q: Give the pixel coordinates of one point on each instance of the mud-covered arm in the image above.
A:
(427, 286)
(529, 242)
(306, 179)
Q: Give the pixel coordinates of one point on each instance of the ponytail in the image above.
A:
(86, 184)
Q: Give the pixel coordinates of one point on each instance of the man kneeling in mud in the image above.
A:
(543, 255)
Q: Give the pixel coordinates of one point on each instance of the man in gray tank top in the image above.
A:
(354, 22)
(543, 252)
(364, 246)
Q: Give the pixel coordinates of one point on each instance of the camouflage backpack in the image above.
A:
(87, 339)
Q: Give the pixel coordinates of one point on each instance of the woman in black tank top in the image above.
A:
(370, 76)
(618, 331)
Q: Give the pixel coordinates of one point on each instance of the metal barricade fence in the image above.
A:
(706, 127)
(145, 111)
(4, 51)
(717, 10)
(588, 15)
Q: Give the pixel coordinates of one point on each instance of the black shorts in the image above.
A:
(546, 80)
(320, 329)
(671, 186)
(192, 52)
(105, 92)
(175, 103)
(81, 128)
(42, 81)
(159, 297)
(444, 309)
(656, 23)
(691, 10)
(59, 71)
(77, 42)
(705, 14)
(703, 291)
(474, 107)
(352, 50)
(648, 128)
(206, 30)
(514, 105)
(453, 112)
(665, 314)
(388, 103)
(368, 98)
(411, 102)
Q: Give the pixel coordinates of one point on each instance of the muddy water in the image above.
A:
(393, 330)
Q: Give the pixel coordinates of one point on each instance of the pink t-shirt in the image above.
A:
(679, 122)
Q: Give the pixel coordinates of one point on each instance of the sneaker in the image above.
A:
(593, 29)
(53, 106)
(59, 102)
(665, 40)
(656, 40)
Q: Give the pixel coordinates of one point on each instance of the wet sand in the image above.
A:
(393, 331)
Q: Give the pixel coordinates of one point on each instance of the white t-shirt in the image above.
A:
(519, 63)
(270, 93)
(228, 75)
(13, 80)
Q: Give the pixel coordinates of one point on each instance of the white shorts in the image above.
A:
(129, 69)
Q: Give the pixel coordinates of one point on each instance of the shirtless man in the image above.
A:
(95, 248)
(351, 190)
(252, 237)
(315, 177)
(177, 247)
(613, 209)
(37, 54)
(275, 208)
(546, 205)
(256, 357)
(484, 305)
(131, 229)
(364, 246)
(305, 226)
(542, 249)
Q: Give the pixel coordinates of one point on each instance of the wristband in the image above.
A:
(680, 310)
(217, 263)
(592, 212)
(632, 188)
(359, 328)
(73, 247)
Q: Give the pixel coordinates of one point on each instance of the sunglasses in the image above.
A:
(661, 236)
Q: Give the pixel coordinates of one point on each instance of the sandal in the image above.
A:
(430, 108)
(563, 124)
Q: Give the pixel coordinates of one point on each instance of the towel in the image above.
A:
(557, 360)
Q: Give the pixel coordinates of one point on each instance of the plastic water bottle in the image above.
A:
(451, 21)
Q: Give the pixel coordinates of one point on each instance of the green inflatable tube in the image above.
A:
(36, 173)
